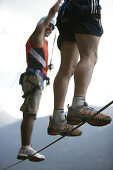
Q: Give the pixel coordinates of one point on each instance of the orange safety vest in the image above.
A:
(37, 57)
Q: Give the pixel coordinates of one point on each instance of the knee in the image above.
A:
(90, 58)
(94, 58)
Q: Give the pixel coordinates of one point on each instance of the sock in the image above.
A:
(27, 146)
(78, 101)
(58, 115)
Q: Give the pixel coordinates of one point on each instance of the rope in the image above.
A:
(17, 76)
(82, 123)
(51, 65)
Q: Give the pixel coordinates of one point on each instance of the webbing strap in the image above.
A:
(37, 57)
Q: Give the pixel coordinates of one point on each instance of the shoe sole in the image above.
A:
(75, 120)
(22, 157)
(54, 133)
(32, 158)
(98, 122)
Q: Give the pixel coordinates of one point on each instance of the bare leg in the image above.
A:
(88, 46)
(69, 59)
(26, 129)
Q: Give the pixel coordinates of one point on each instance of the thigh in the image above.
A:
(87, 44)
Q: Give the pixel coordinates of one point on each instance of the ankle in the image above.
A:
(78, 101)
(58, 115)
(27, 146)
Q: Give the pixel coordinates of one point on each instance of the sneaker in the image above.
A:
(29, 153)
(84, 113)
(62, 128)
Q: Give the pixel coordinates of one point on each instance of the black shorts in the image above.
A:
(79, 23)
(91, 27)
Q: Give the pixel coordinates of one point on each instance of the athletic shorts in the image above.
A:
(32, 97)
(91, 27)
(77, 23)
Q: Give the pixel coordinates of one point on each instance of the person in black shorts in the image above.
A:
(80, 29)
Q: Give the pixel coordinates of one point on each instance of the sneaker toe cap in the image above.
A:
(100, 120)
(76, 132)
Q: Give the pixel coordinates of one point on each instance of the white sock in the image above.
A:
(27, 146)
(78, 101)
(58, 115)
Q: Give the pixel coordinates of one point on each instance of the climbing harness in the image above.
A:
(32, 71)
(82, 123)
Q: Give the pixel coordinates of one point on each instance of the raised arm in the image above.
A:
(37, 38)
(52, 12)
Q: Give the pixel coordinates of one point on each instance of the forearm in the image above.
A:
(54, 9)
(52, 12)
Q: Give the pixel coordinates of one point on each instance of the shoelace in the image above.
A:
(31, 151)
(67, 126)
(88, 107)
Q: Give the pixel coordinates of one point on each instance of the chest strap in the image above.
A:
(37, 57)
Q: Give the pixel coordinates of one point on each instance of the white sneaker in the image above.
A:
(25, 153)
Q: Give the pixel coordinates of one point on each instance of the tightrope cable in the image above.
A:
(82, 123)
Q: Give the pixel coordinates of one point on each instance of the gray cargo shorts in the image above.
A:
(31, 85)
